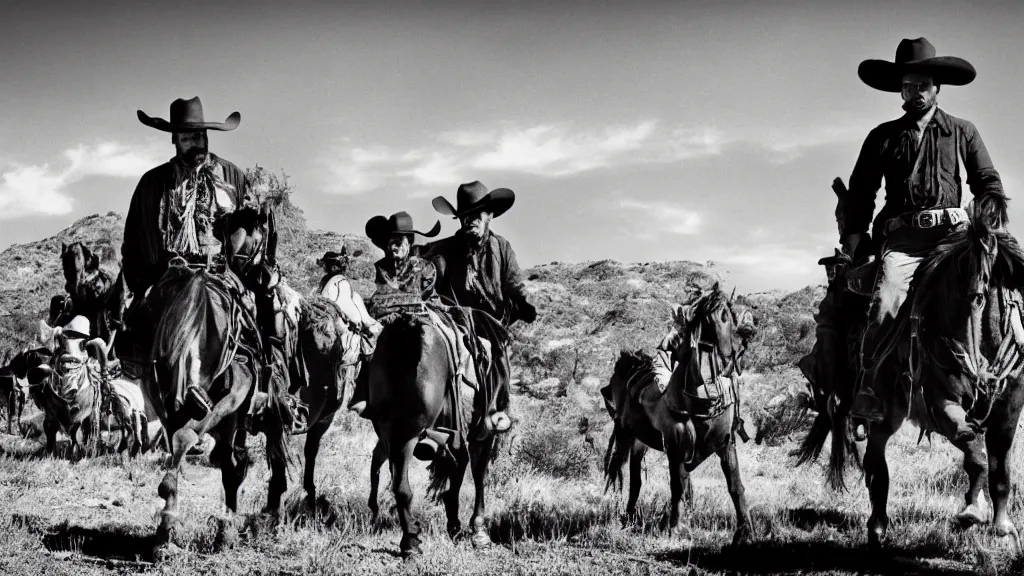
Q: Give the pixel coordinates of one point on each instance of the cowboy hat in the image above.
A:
(379, 228)
(915, 56)
(187, 116)
(840, 257)
(78, 327)
(338, 258)
(473, 197)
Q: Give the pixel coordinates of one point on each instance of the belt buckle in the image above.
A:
(925, 220)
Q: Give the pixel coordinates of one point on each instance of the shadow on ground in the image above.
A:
(812, 557)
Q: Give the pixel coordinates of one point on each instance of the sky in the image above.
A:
(640, 131)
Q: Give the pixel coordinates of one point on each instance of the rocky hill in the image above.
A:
(587, 311)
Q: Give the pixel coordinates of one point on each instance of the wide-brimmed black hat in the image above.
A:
(915, 56)
(187, 116)
(474, 197)
(339, 259)
(379, 228)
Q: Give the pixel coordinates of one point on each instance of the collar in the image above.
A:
(939, 119)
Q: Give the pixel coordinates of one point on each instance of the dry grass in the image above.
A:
(97, 516)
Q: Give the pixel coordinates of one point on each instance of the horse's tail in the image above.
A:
(182, 326)
(442, 470)
(619, 446)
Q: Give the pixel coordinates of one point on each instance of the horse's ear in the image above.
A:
(63, 248)
(46, 335)
(715, 288)
(733, 295)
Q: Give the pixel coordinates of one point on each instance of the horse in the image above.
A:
(14, 386)
(694, 417)
(66, 382)
(212, 312)
(422, 410)
(91, 292)
(323, 345)
(952, 364)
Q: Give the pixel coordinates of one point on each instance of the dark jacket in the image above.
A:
(487, 278)
(889, 152)
(411, 281)
(144, 257)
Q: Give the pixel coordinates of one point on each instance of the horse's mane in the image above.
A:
(939, 286)
(630, 360)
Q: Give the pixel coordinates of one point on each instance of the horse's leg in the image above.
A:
(400, 456)
(678, 476)
(50, 429)
(451, 496)
(731, 469)
(230, 456)
(480, 458)
(380, 455)
(181, 441)
(278, 469)
(636, 461)
(312, 448)
(77, 450)
(951, 420)
(876, 473)
(999, 439)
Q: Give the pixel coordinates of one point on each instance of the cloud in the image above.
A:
(671, 218)
(777, 261)
(42, 190)
(554, 150)
(545, 150)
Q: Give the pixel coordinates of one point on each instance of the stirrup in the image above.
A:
(300, 414)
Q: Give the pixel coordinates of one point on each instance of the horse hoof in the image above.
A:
(226, 535)
(481, 539)
(971, 516)
(165, 552)
(744, 535)
(454, 530)
(410, 546)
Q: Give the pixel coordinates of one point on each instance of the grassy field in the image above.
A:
(547, 508)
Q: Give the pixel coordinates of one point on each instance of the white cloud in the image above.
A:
(553, 151)
(670, 218)
(774, 260)
(42, 189)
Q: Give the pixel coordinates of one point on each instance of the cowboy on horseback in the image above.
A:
(919, 156)
(403, 281)
(173, 220)
(477, 269)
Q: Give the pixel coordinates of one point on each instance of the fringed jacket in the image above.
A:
(173, 210)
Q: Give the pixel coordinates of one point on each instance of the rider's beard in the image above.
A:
(918, 106)
(194, 156)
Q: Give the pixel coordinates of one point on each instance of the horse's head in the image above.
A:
(712, 319)
(248, 235)
(77, 261)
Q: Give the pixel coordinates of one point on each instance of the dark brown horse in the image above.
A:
(696, 416)
(13, 388)
(952, 365)
(207, 336)
(422, 410)
(91, 292)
